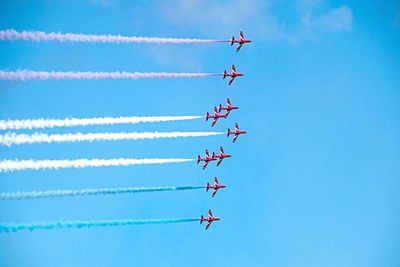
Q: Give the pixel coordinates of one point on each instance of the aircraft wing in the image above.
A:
(231, 81)
(239, 46)
(216, 180)
(210, 213)
(219, 162)
(214, 122)
(241, 35)
(233, 69)
(236, 126)
(215, 191)
(234, 138)
(208, 225)
(205, 165)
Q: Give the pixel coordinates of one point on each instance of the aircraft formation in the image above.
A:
(218, 158)
(220, 111)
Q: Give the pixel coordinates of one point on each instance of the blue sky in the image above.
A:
(315, 182)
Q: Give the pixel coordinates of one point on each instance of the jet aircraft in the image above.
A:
(228, 107)
(241, 41)
(221, 155)
(237, 132)
(216, 116)
(209, 220)
(207, 159)
(233, 74)
(216, 186)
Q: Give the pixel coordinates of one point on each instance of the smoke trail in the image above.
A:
(10, 139)
(38, 36)
(7, 228)
(91, 192)
(23, 75)
(71, 122)
(20, 165)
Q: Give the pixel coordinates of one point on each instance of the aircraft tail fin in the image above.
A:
(201, 219)
(225, 74)
(233, 40)
(198, 159)
(229, 132)
(207, 116)
(208, 187)
(220, 108)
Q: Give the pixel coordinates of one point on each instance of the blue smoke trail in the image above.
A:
(87, 192)
(9, 228)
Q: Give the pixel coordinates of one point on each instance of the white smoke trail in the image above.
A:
(21, 165)
(10, 139)
(13, 35)
(23, 75)
(91, 192)
(71, 122)
(9, 228)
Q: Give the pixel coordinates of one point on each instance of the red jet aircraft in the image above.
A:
(222, 155)
(216, 186)
(228, 107)
(206, 159)
(216, 116)
(237, 132)
(233, 74)
(241, 41)
(210, 219)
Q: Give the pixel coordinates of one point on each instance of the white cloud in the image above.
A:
(396, 21)
(215, 17)
(292, 21)
(338, 19)
(100, 2)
